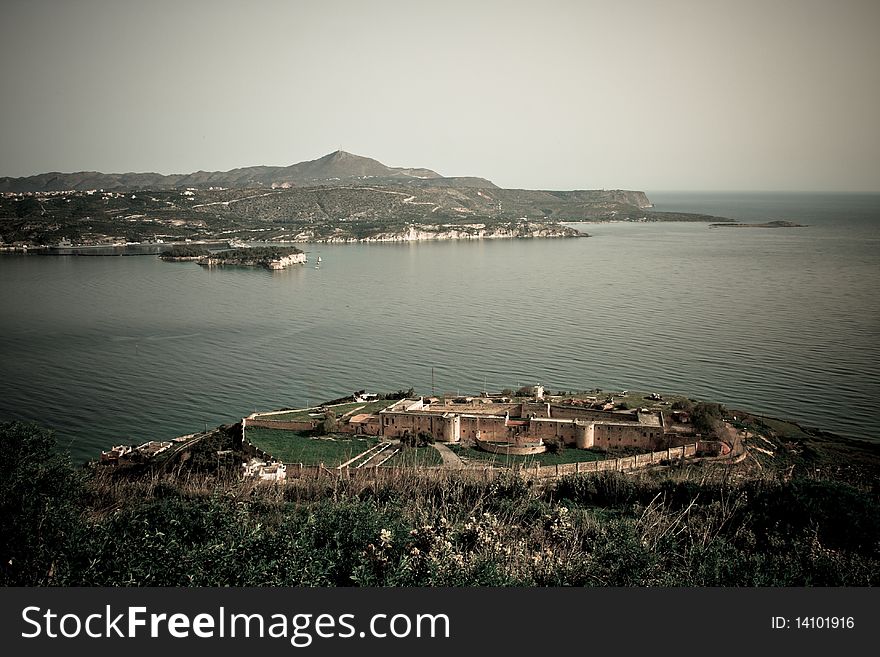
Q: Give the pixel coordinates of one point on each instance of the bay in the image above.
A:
(113, 350)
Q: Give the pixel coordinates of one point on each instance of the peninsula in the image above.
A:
(340, 197)
(766, 224)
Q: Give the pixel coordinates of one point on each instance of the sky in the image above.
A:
(632, 94)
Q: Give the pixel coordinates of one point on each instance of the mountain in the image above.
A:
(341, 166)
(332, 168)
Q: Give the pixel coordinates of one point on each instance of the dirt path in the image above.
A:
(450, 458)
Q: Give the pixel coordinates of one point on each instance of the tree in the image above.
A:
(328, 424)
(554, 445)
(40, 494)
(400, 394)
(683, 405)
(706, 417)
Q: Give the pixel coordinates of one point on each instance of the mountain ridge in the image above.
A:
(337, 197)
(338, 166)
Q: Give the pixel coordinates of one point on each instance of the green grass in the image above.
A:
(416, 457)
(633, 398)
(565, 455)
(303, 414)
(294, 447)
(363, 407)
(299, 415)
(785, 430)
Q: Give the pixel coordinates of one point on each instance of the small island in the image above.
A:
(766, 224)
(270, 257)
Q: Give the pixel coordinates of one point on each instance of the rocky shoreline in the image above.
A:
(468, 232)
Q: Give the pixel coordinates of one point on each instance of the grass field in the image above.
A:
(303, 414)
(785, 430)
(293, 447)
(565, 455)
(416, 457)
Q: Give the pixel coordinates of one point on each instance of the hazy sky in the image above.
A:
(684, 95)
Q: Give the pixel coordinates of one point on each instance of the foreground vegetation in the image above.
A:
(198, 523)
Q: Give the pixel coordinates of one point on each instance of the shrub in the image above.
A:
(554, 445)
(706, 417)
(40, 503)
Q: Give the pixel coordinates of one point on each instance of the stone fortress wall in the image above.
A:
(523, 424)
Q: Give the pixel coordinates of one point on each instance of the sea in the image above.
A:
(783, 322)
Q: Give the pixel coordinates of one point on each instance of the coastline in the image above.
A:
(766, 224)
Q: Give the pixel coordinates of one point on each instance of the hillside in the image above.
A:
(338, 197)
(334, 167)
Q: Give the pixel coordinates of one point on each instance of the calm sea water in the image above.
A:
(784, 322)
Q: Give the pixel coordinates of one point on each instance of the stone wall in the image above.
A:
(369, 428)
(394, 473)
(395, 425)
(609, 436)
(566, 431)
(565, 412)
(491, 429)
(661, 457)
(585, 429)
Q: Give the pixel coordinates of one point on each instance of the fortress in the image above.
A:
(498, 424)
(513, 427)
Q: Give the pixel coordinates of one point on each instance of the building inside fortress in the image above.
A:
(522, 425)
